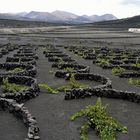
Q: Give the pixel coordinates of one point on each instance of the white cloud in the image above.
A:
(120, 8)
(132, 2)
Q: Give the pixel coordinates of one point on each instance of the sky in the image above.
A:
(119, 8)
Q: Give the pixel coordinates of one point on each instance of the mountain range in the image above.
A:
(130, 22)
(57, 17)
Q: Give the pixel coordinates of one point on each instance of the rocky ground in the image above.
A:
(52, 111)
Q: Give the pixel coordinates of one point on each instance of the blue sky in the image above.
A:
(120, 8)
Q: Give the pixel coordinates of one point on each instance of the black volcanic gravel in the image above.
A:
(52, 111)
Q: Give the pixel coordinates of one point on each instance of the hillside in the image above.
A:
(8, 23)
(57, 17)
(132, 22)
(126, 23)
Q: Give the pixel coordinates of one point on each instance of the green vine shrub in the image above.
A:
(12, 87)
(134, 81)
(69, 70)
(117, 70)
(73, 84)
(48, 88)
(96, 117)
(16, 70)
(102, 62)
(136, 65)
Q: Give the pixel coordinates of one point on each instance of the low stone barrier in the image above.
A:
(129, 74)
(28, 70)
(29, 55)
(52, 52)
(94, 77)
(57, 59)
(4, 51)
(100, 92)
(21, 96)
(20, 111)
(1, 55)
(23, 60)
(56, 54)
(78, 68)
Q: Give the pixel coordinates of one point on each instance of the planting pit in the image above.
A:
(17, 69)
(30, 92)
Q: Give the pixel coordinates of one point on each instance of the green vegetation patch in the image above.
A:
(96, 117)
(117, 70)
(100, 61)
(48, 88)
(12, 87)
(16, 70)
(134, 81)
(71, 85)
(136, 65)
(68, 69)
(61, 61)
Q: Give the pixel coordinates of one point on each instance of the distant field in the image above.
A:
(29, 30)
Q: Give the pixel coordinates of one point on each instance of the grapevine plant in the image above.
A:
(69, 70)
(102, 62)
(136, 64)
(48, 88)
(117, 70)
(96, 117)
(133, 81)
(16, 70)
(73, 84)
(12, 87)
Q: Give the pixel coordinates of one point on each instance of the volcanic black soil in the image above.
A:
(52, 111)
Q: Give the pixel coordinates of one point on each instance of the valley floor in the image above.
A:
(52, 111)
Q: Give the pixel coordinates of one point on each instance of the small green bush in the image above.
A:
(118, 70)
(136, 65)
(100, 61)
(48, 88)
(61, 61)
(73, 84)
(134, 81)
(16, 70)
(96, 117)
(69, 70)
(12, 87)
